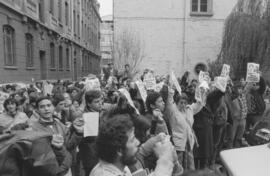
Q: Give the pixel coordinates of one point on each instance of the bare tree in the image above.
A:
(128, 49)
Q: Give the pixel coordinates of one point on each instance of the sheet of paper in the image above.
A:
(3, 97)
(225, 71)
(92, 84)
(253, 72)
(204, 76)
(128, 97)
(142, 89)
(175, 82)
(221, 83)
(150, 81)
(91, 124)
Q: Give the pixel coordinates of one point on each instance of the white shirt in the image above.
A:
(107, 169)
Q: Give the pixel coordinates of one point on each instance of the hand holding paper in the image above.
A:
(91, 124)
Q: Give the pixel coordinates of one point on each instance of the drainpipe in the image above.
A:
(184, 35)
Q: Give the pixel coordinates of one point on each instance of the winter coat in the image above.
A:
(24, 153)
(203, 127)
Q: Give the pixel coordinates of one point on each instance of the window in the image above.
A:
(74, 22)
(60, 58)
(9, 48)
(29, 50)
(78, 23)
(201, 7)
(67, 13)
(60, 10)
(52, 53)
(67, 60)
(52, 7)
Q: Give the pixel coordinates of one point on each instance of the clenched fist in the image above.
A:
(57, 141)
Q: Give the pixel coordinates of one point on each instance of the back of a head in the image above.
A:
(113, 137)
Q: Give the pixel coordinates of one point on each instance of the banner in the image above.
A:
(225, 71)
(176, 83)
(253, 72)
(91, 124)
(149, 81)
(142, 89)
(128, 97)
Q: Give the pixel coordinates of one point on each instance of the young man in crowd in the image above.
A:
(63, 139)
(239, 118)
(155, 106)
(87, 153)
(181, 120)
(12, 118)
(117, 147)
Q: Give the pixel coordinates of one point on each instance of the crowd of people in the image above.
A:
(170, 133)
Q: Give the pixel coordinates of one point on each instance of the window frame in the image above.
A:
(9, 34)
(199, 12)
(52, 56)
(60, 58)
(67, 59)
(29, 56)
(67, 13)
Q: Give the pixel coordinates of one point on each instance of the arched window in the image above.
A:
(9, 45)
(29, 50)
(52, 55)
(60, 58)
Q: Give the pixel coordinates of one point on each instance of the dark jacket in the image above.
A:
(24, 153)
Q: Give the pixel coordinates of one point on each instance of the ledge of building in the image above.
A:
(11, 67)
(207, 14)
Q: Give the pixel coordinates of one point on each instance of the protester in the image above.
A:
(203, 127)
(117, 147)
(87, 152)
(181, 120)
(12, 119)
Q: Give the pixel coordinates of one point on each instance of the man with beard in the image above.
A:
(117, 147)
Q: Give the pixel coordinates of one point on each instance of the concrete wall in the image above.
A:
(174, 39)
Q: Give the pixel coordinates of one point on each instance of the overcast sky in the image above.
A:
(106, 7)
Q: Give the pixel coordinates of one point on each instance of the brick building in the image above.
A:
(48, 39)
(177, 34)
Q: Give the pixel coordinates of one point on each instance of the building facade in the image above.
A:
(106, 40)
(48, 39)
(178, 35)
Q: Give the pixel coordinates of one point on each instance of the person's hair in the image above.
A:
(57, 98)
(141, 126)
(112, 137)
(10, 101)
(41, 99)
(127, 65)
(183, 96)
(91, 95)
(151, 99)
